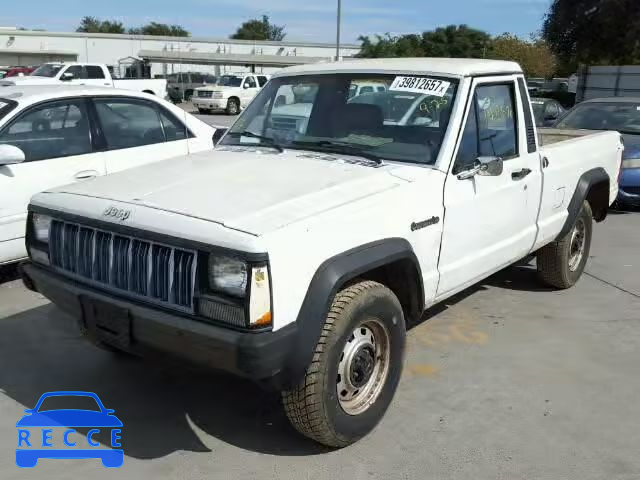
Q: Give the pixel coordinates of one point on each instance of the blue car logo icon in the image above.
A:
(37, 439)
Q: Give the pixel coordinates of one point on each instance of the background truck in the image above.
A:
(91, 74)
(608, 81)
(231, 93)
(297, 254)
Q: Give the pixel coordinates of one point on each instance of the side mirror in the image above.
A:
(485, 166)
(10, 155)
(245, 86)
(218, 134)
(551, 116)
(65, 77)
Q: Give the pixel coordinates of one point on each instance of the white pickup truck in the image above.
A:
(231, 93)
(90, 74)
(296, 253)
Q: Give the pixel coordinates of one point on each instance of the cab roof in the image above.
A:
(448, 67)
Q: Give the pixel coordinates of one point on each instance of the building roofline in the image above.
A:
(126, 36)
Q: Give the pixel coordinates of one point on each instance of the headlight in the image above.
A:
(41, 227)
(228, 275)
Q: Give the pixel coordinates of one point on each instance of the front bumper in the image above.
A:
(259, 356)
(628, 199)
(209, 103)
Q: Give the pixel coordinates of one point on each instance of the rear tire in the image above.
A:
(233, 106)
(560, 264)
(355, 369)
(204, 111)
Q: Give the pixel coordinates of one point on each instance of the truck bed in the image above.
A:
(547, 136)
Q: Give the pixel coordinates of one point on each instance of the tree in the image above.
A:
(257, 29)
(458, 41)
(160, 29)
(534, 56)
(594, 31)
(452, 41)
(95, 25)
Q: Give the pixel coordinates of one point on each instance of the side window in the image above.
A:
(128, 123)
(94, 71)
(251, 81)
(173, 128)
(52, 130)
(364, 90)
(196, 78)
(491, 126)
(262, 80)
(75, 70)
(497, 121)
(381, 89)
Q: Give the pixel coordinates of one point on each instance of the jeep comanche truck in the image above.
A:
(297, 252)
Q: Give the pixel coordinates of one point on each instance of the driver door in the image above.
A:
(490, 221)
(249, 89)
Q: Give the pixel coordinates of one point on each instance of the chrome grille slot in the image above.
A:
(160, 277)
(204, 93)
(135, 267)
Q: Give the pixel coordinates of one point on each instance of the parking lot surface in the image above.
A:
(215, 119)
(506, 381)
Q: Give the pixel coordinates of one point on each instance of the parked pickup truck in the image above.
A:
(231, 93)
(297, 256)
(97, 75)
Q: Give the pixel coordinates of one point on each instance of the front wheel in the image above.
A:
(233, 106)
(355, 369)
(560, 264)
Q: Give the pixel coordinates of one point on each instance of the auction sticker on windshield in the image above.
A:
(428, 86)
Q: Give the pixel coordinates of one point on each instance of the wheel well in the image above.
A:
(234, 98)
(148, 91)
(402, 278)
(598, 198)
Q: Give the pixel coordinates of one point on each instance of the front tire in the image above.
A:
(355, 369)
(233, 106)
(560, 264)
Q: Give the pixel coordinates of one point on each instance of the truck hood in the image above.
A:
(250, 189)
(28, 80)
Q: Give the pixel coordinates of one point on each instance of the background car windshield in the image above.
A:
(46, 70)
(623, 117)
(67, 402)
(319, 113)
(229, 81)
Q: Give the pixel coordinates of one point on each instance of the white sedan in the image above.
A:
(54, 135)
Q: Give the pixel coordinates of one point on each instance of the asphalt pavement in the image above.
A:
(508, 380)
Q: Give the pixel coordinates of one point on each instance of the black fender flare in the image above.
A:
(586, 181)
(327, 280)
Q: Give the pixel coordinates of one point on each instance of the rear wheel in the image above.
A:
(561, 263)
(355, 369)
(233, 106)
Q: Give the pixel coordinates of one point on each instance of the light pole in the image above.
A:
(339, 19)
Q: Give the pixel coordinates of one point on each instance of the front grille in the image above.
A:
(204, 93)
(631, 190)
(133, 266)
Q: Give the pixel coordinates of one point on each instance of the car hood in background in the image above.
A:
(254, 190)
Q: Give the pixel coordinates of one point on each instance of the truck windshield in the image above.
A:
(405, 120)
(623, 117)
(46, 70)
(229, 81)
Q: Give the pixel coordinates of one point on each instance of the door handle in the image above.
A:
(519, 175)
(545, 162)
(86, 174)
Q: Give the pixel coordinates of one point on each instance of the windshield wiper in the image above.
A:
(266, 141)
(330, 146)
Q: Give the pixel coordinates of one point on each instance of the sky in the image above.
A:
(304, 20)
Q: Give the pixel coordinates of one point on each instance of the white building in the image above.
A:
(166, 54)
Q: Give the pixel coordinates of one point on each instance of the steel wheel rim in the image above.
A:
(577, 244)
(363, 367)
(233, 107)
